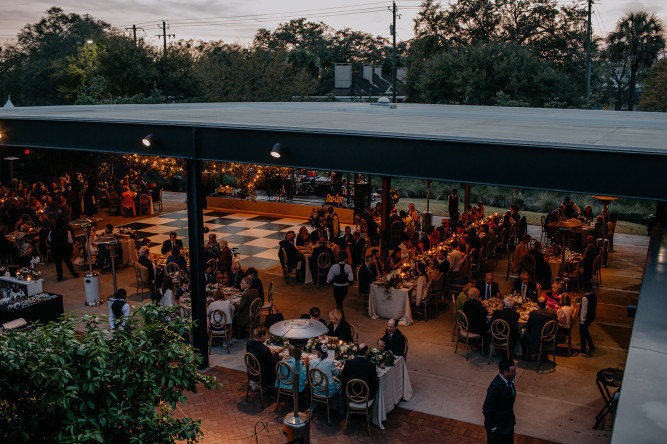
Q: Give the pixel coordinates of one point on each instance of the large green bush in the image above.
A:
(61, 385)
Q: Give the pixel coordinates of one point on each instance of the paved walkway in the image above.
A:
(228, 418)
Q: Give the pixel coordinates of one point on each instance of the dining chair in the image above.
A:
(470, 339)
(217, 320)
(548, 341)
(597, 271)
(144, 204)
(455, 329)
(319, 390)
(354, 333)
(255, 315)
(268, 306)
(254, 372)
(500, 337)
(282, 254)
(571, 275)
(142, 277)
(358, 403)
(323, 265)
(396, 230)
(285, 376)
(212, 264)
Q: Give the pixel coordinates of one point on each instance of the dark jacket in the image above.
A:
(143, 260)
(343, 332)
(243, 308)
(481, 286)
(476, 314)
(536, 320)
(531, 291)
(293, 255)
(167, 245)
(267, 361)
(396, 344)
(236, 278)
(360, 368)
(366, 276)
(498, 407)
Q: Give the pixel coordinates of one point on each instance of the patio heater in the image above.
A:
(111, 242)
(296, 427)
(91, 279)
(11, 160)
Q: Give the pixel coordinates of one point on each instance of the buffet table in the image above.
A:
(390, 303)
(42, 312)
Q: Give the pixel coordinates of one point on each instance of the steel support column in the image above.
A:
(195, 237)
(386, 210)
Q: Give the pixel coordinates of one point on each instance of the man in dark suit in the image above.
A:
(321, 249)
(443, 263)
(488, 288)
(358, 249)
(346, 238)
(393, 339)
(536, 320)
(236, 275)
(360, 368)
(242, 308)
(267, 360)
(314, 314)
(394, 217)
(511, 317)
(498, 406)
(316, 235)
(366, 275)
(170, 243)
(476, 314)
(526, 288)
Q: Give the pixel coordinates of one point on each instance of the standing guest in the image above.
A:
(453, 201)
(360, 368)
(586, 317)
(570, 209)
(303, 238)
(119, 310)
(488, 288)
(146, 261)
(358, 249)
(314, 314)
(60, 240)
(526, 288)
(341, 276)
(542, 269)
(536, 320)
(510, 316)
(373, 231)
(170, 243)
(128, 200)
(64, 210)
(338, 327)
(393, 339)
(236, 275)
(225, 258)
(366, 275)
(498, 406)
(267, 360)
(347, 237)
(243, 306)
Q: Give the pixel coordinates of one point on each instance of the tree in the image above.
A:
(654, 96)
(637, 41)
(120, 386)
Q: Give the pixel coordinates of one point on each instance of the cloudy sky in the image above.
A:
(237, 21)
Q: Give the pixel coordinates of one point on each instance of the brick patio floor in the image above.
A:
(227, 418)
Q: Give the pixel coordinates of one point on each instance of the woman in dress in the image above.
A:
(146, 261)
(338, 327)
(422, 284)
(302, 238)
(167, 292)
(178, 259)
(564, 313)
(553, 296)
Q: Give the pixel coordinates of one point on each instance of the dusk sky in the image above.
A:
(237, 21)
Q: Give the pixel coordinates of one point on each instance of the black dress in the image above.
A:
(343, 332)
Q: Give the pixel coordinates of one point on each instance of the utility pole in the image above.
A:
(164, 34)
(134, 32)
(392, 30)
(588, 54)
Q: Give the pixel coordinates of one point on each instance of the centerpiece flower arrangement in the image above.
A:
(381, 357)
(277, 340)
(342, 350)
(394, 196)
(391, 280)
(129, 231)
(320, 217)
(24, 273)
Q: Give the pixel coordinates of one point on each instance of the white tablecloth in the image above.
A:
(308, 275)
(129, 251)
(393, 385)
(393, 303)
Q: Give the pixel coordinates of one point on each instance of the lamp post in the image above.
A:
(296, 427)
(11, 160)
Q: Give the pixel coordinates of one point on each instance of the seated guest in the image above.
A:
(526, 288)
(462, 298)
(564, 314)
(294, 257)
(445, 229)
(321, 249)
(167, 297)
(488, 288)
(267, 360)
(243, 306)
(378, 269)
(347, 237)
(421, 291)
(170, 243)
(366, 275)
(328, 367)
(432, 270)
(237, 274)
(424, 243)
(588, 215)
(256, 282)
(553, 296)
(480, 209)
(314, 314)
(177, 258)
(303, 238)
(455, 257)
(433, 236)
(476, 313)
(536, 320)
(510, 316)
(395, 259)
(443, 263)
(599, 222)
(338, 327)
(316, 235)
(283, 373)
(393, 339)
(212, 249)
(224, 305)
(360, 368)
(488, 236)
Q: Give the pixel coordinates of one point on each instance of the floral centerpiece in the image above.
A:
(391, 280)
(320, 217)
(394, 196)
(342, 350)
(24, 273)
(128, 231)
(381, 357)
(277, 340)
